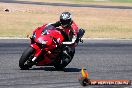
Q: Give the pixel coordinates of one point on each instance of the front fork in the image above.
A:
(38, 51)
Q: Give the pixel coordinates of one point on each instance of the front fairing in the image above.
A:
(45, 34)
(48, 41)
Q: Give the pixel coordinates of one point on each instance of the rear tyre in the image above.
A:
(24, 62)
(60, 64)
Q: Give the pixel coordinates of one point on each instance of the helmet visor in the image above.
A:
(65, 22)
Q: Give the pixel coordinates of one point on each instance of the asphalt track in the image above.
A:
(103, 59)
(66, 4)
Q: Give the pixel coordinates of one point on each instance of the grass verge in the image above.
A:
(22, 19)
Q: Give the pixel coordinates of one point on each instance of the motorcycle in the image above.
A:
(46, 49)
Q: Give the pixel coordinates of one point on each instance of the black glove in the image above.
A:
(81, 33)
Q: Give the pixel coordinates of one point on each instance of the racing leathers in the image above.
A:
(69, 32)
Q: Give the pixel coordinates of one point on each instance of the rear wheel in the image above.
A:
(61, 63)
(25, 60)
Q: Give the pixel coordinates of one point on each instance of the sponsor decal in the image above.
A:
(85, 80)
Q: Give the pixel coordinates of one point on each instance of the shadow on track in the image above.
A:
(53, 69)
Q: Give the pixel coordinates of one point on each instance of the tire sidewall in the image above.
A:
(25, 56)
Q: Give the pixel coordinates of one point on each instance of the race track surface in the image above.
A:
(66, 4)
(103, 59)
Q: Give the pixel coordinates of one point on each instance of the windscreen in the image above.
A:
(46, 28)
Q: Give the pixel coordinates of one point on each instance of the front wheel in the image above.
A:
(24, 62)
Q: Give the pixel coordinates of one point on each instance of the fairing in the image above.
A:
(44, 42)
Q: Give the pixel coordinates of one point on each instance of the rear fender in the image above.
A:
(37, 50)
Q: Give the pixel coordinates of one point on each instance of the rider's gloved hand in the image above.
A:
(81, 32)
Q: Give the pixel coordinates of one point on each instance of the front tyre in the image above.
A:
(24, 62)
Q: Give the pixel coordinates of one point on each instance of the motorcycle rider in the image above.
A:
(70, 31)
(67, 24)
